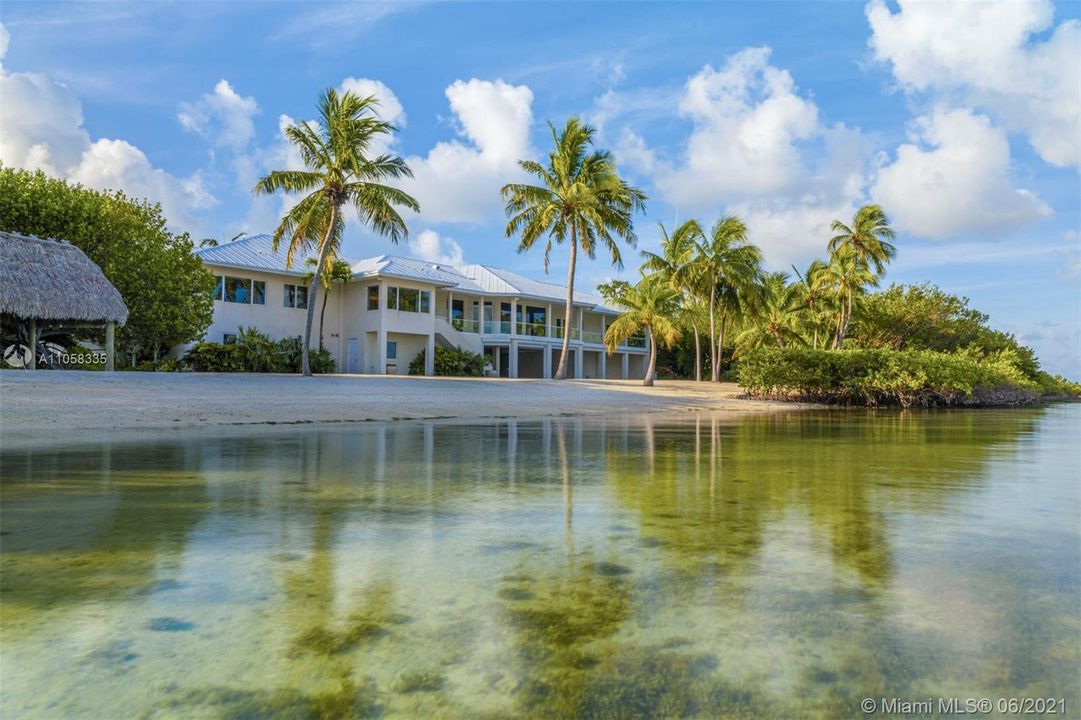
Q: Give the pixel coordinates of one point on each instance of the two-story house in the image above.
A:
(394, 308)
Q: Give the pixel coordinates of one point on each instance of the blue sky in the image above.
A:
(961, 119)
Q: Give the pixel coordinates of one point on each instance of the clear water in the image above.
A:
(774, 566)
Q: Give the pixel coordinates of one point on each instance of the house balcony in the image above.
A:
(501, 329)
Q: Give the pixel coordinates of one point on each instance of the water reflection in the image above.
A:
(771, 566)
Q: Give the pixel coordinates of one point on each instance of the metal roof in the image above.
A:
(255, 253)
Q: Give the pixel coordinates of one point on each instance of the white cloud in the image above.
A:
(428, 245)
(42, 123)
(985, 54)
(5, 37)
(390, 108)
(459, 180)
(748, 120)
(954, 177)
(222, 116)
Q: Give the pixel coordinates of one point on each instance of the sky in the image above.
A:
(962, 119)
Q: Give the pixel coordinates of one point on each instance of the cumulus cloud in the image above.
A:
(42, 123)
(748, 120)
(954, 177)
(390, 107)
(222, 116)
(428, 245)
(984, 54)
(459, 180)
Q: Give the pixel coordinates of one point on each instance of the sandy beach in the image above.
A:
(41, 402)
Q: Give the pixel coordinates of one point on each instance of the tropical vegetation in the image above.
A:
(339, 170)
(168, 292)
(580, 200)
(252, 351)
(450, 362)
(650, 305)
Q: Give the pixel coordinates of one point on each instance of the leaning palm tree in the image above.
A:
(676, 263)
(813, 299)
(870, 238)
(650, 305)
(580, 199)
(729, 267)
(337, 271)
(338, 172)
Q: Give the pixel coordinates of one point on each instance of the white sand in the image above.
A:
(48, 401)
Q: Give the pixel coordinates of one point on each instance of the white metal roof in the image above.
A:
(255, 253)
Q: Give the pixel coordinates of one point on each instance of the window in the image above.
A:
(296, 296)
(407, 300)
(218, 288)
(392, 350)
(258, 293)
(237, 290)
(229, 339)
(373, 297)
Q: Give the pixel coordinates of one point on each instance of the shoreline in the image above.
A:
(45, 403)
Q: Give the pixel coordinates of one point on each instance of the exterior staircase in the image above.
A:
(450, 337)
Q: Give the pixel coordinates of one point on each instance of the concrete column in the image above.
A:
(429, 356)
(33, 344)
(450, 305)
(381, 351)
(513, 359)
(626, 365)
(548, 361)
(578, 353)
(513, 316)
(548, 329)
(602, 366)
(581, 312)
(110, 346)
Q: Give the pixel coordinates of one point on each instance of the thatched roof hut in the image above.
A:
(54, 281)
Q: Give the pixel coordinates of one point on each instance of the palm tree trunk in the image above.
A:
(713, 332)
(697, 355)
(561, 371)
(313, 293)
(848, 321)
(720, 347)
(322, 314)
(651, 371)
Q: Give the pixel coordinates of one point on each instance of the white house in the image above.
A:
(396, 307)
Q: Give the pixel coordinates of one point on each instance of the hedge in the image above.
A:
(909, 378)
(451, 362)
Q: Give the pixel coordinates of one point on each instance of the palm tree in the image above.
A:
(845, 276)
(813, 298)
(338, 171)
(777, 313)
(213, 242)
(650, 305)
(728, 266)
(580, 199)
(336, 271)
(870, 238)
(676, 263)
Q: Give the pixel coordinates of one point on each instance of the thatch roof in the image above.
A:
(54, 280)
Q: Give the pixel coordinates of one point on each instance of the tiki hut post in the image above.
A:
(110, 345)
(33, 344)
(51, 285)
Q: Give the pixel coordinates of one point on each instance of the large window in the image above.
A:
(240, 290)
(296, 296)
(373, 297)
(392, 350)
(409, 299)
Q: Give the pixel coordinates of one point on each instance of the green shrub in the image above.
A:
(450, 362)
(913, 378)
(254, 351)
(213, 357)
(162, 365)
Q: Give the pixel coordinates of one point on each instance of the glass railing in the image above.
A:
(533, 329)
(460, 324)
(592, 337)
(636, 342)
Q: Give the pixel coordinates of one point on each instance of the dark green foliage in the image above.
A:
(166, 288)
(450, 362)
(254, 351)
(888, 377)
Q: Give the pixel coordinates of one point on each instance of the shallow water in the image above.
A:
(772, 566)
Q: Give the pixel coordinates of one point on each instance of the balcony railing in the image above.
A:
(461, 324)
(502, 327)
(533, 329)
(636, 342)
(592, 337)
